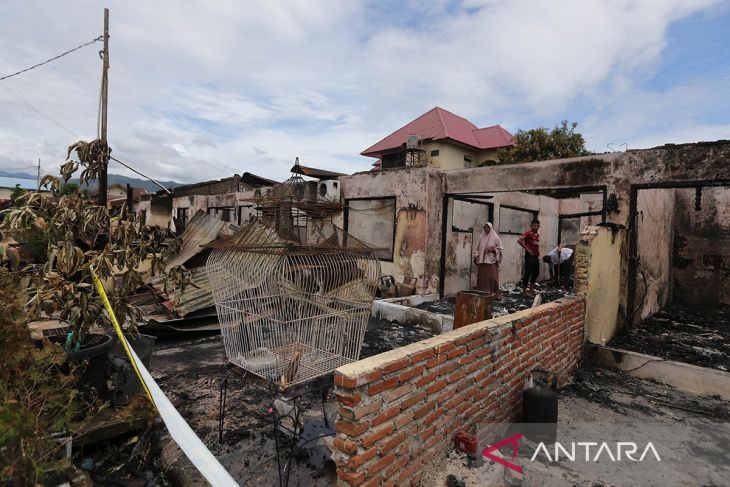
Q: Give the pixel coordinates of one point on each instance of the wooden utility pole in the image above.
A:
(103, 110)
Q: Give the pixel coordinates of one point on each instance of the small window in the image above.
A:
(435, 153)
(515, 221)
(467, 161)
(182, 215)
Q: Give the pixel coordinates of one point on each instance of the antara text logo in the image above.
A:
(589, 451)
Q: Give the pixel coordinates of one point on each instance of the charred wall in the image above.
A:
(701, 248)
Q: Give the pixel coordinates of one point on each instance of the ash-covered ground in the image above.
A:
(698, 336)
(689, 432)
(190, 372)
(511, 302)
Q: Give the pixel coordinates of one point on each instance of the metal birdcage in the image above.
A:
(293, 292)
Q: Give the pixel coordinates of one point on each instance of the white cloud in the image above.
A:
(201, 89)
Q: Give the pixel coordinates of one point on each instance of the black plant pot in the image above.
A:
(92, 358)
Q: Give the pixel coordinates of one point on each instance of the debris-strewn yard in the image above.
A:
(190, 372)
(692, 335)
(688, 431)
(511, 302)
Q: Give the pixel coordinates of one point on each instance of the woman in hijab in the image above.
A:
(487, 257)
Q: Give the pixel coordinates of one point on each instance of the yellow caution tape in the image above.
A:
(184, 436)
(118, 329)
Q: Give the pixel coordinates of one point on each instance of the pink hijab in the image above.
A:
(489, 248)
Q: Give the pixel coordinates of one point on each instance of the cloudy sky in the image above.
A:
(203, 89)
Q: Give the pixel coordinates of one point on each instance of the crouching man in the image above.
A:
(560, 262)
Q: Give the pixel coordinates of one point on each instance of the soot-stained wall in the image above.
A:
(701, 247)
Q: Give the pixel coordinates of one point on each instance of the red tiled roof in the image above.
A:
(440, 124)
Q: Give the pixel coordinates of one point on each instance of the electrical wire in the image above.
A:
(63, 127)
(40, 112)
(52, 59)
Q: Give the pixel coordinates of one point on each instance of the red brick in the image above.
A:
(398, 392)
(467, 359)
(393, 442)
(456, 352)
(352, 478)
(433, 441)
(344, 381)
(424, 410)
(409, 471)
(410, 401)
(403, 420)
(421, 356)
(445, 396)
(426, 379)
(361, 411)
(351, 429)
(381, 464)
(453, 403)
(382, 386)
(411, 373)
(435, 387)
(373, 482)
(369, 377)
(473, 367)
(385, 416)
(445, 369)
(433, 417)
(444, 347)
(346, 446)
(348, 400)
(459, 374)
(394, 468)
(397, 365)
(439, 359)
(358, 460)
(377, 435)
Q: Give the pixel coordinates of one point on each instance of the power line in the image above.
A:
(40, 112)
(52, 59)
(74, 134)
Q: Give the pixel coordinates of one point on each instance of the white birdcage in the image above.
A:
(293, 291)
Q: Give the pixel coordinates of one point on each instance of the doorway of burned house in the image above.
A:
(563, 212)
(678, 291)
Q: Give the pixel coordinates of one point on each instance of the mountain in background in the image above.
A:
(149, 186)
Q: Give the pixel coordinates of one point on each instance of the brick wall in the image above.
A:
(400, 409)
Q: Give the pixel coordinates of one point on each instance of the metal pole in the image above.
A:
(104, 99)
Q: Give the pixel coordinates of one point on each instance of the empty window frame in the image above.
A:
(514, 220)
(372, 221)
(470, 213)
(182, 215)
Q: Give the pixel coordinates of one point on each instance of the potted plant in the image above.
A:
(62, 238)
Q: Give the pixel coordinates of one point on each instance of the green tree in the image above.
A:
(16, 193)
(540, 144)
(68, 188)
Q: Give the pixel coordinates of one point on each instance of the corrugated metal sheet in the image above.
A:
(197, 294)
(200, 230)
(313, 172)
